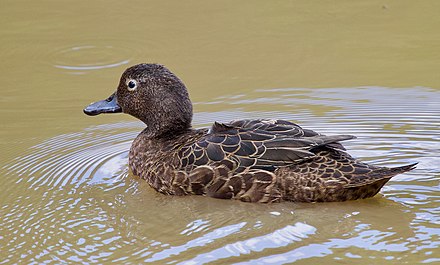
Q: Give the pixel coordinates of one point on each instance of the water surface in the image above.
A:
(368, 69)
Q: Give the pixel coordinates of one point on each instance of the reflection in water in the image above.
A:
(86, 207)
(198, 242)
(279, 238)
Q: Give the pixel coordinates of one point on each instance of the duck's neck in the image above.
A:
(165, 133)
(167, 122)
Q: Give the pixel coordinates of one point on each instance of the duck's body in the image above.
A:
(256, 161)
(249, 160)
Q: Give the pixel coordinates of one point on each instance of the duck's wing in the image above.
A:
(281, 127)
(254, 144)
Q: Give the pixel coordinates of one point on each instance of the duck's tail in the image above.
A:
(399, 170)
(383, 175)
(367, 186)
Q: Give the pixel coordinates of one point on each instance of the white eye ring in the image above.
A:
(131, 85)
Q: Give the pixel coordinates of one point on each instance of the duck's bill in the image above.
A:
(109, 105)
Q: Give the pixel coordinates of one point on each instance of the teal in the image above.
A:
(257, 160)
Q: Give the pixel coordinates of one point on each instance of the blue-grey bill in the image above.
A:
(109, 105)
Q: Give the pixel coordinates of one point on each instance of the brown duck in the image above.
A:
(248, 160)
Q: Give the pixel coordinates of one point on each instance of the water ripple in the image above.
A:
(279, 238)
(84, 58)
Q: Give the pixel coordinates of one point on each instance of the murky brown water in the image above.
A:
(364, 68)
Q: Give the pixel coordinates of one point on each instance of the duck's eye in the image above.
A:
(132, 85)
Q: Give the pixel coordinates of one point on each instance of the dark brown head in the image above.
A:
(151, 93)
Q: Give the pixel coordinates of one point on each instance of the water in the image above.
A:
(366, 69)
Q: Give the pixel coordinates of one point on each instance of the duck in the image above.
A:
(250, 160)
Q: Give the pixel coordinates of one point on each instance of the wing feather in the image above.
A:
(256, 144)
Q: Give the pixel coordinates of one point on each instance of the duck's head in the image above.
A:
(153, 94)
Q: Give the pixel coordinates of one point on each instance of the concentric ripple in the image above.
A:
(75, 158)
(71, 199)
(84, 58)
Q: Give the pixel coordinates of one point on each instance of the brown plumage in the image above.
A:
(249, 160)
